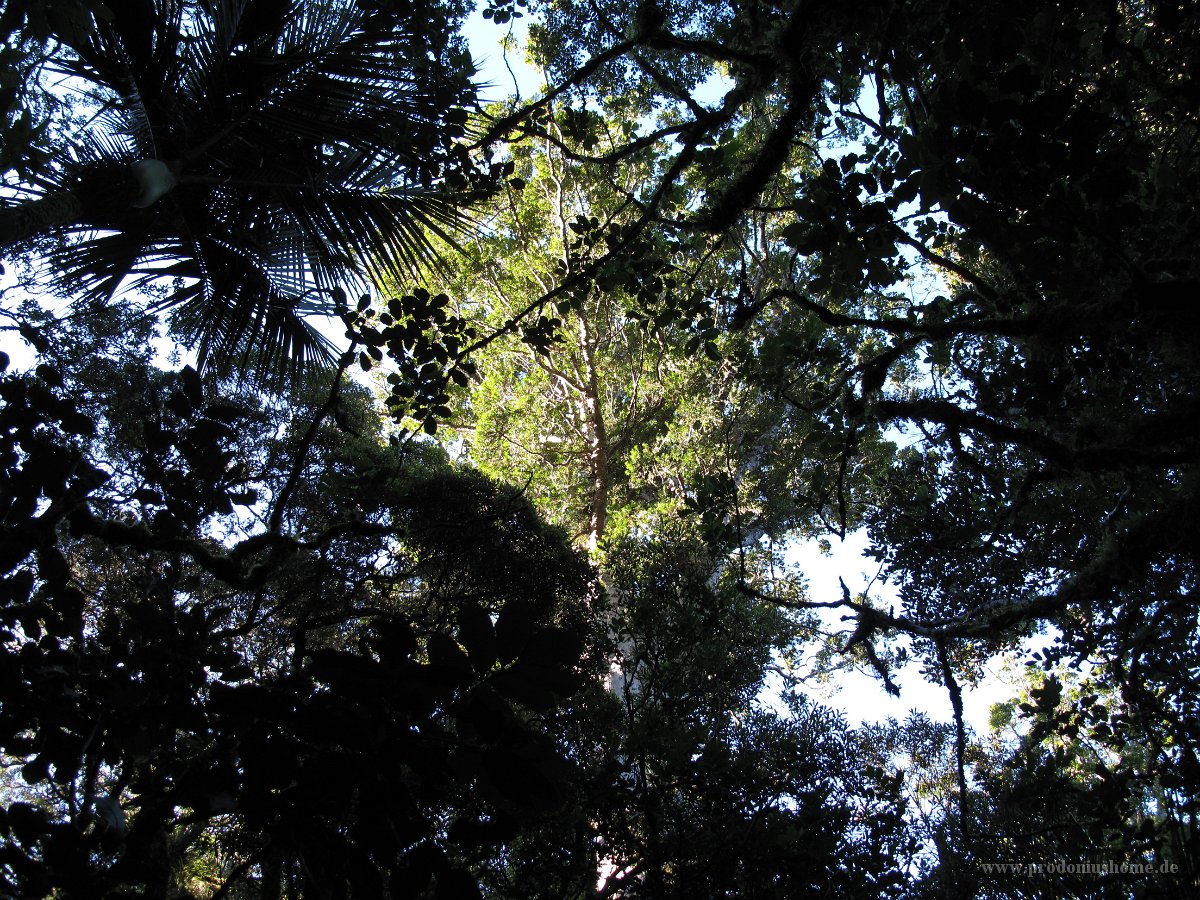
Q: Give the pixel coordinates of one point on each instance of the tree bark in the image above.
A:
(597, 435)
(34, 217)
(139, 185)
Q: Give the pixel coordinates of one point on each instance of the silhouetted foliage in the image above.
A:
(312, 700)
(917, 267)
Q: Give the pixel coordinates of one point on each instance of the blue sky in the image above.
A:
(485, 39)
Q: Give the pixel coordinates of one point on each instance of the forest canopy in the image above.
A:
(452, 552)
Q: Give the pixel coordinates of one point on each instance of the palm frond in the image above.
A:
(309, 139)
(238, 320)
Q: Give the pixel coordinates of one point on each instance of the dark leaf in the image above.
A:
(513, 628)
(445, 653)
(476, 633)
(457, 884)
(193, 388)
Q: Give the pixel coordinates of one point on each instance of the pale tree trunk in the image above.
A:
(597, 437)
(140, 186)
(595, 429)
(34, 217)
(589, 409)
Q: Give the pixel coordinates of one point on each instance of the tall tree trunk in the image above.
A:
(25, 220)
(597, 435)
(139, 185)
(591, 407)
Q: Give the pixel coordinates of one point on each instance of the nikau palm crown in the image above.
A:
(262, 152)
